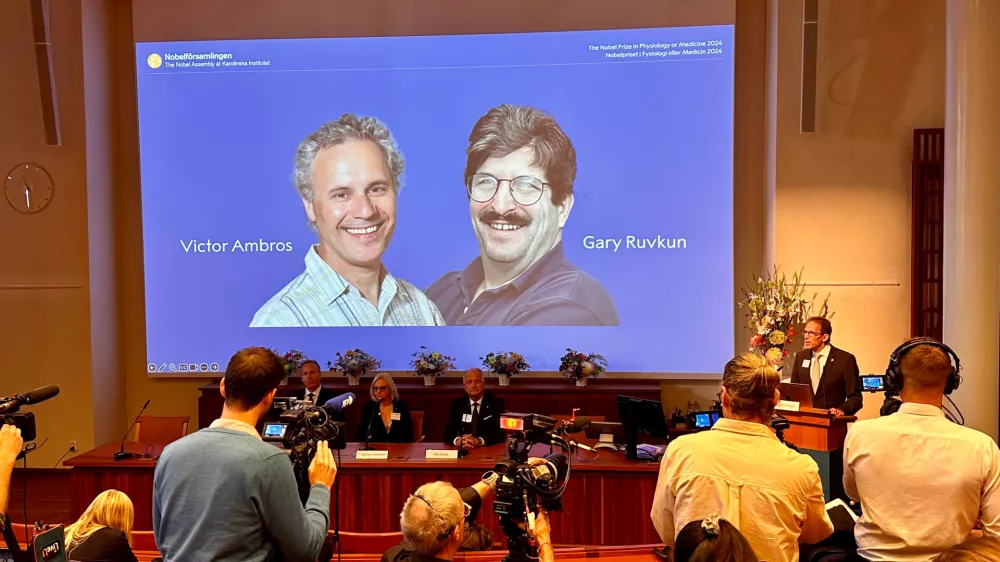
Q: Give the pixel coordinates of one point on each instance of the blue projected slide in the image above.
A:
(471, 193)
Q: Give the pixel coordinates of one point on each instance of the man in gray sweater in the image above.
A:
(224, 494)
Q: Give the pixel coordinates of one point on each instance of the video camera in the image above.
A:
(25, 421)
(301, 429)
(878, 383)
(520, 486)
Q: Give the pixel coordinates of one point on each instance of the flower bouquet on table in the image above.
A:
(774, 305)
(505, 364)
(431, 364)
(354, 364)
(579, 367)
(292, 361)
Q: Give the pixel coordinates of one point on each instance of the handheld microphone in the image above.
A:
(121, 454)
(337, 404)
(11, 405)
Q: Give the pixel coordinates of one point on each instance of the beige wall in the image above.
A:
(843, 193)
(45, 334)
(881, 73)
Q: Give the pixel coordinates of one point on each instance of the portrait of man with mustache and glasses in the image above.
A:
(348, 176)
(519, 176)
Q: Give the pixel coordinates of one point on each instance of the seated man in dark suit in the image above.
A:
(314, 390)
(474, 420)
(832, 373)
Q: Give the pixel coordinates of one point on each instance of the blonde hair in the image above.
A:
(430, 515)
(110, 508)
(388, 381)
(751, 380)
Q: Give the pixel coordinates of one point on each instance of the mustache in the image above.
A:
(513, 217)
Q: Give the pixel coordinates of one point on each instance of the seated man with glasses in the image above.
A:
(435, 520)
(519, 172)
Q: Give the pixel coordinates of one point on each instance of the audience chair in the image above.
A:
(368, 543)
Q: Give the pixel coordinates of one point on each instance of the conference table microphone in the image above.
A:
(121, 454)
(368, 432)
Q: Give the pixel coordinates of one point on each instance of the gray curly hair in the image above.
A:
(349, 127)
(430, 515)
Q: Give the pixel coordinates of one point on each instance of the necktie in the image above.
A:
(815, 371)
(475, 419)
(312, 398)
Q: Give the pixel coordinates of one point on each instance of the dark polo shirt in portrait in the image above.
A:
(552, 292)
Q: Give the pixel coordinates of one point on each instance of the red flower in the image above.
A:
(784, 353)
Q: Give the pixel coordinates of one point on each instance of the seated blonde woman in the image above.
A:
(104, 532)
(386, 419)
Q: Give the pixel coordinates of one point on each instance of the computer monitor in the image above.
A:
(797, 392)
(639, 415)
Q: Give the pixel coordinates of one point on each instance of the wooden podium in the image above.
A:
(821, 436)
(815, 429)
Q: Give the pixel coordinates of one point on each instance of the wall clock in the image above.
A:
(28, 188)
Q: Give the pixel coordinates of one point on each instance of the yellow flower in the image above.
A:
(776, 337)
(774, 355)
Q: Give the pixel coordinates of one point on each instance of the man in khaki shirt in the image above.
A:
(741, 471)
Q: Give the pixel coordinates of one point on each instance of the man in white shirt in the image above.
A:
(923, 481)
(741, 471)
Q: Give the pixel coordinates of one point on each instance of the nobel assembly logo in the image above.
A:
(154, 60)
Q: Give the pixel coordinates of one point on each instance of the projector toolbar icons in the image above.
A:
(183, 368)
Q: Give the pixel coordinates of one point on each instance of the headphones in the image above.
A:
(894, 374)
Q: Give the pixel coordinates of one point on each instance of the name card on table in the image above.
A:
(442, 454)
(787, 405)
(372, 455)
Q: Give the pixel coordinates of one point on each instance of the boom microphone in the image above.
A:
(11, 405)
(337, 404)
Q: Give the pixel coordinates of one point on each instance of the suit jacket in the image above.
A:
(321, 398)
(105, 545)
(490, 408)
(838, 387)
(400, 432)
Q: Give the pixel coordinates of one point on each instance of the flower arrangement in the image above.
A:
(507, 363)
(431, 363)
(774, 304)
(354, 362)
(292, 360)
(576, 366)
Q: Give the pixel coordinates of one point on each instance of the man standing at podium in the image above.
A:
(832, 372)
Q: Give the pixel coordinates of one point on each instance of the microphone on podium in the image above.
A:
(121, 454)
